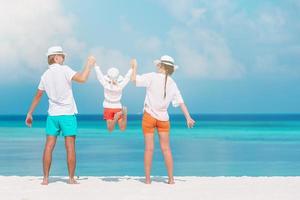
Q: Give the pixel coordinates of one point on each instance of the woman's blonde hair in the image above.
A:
(168, 71)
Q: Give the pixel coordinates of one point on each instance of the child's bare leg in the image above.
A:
(110, 125)
(123, 122)
(149, 148)
(164, 140)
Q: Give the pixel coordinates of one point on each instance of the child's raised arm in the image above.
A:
(126, 78)
(99, 75)
(133, 64)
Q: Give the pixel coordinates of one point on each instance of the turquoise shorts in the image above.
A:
(62, 124)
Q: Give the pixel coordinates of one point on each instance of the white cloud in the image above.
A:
(178, 8)
(184, 11)
(203, 53)
(107, 58)
(149, 45)
(125, 25)
(28, 28)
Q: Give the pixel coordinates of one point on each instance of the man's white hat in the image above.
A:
(165, 59)
(55, 50)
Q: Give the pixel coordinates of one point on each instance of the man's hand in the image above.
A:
(91, 61)
(133, 63)
(29, 120)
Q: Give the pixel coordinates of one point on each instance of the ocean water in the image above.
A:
(219, 145)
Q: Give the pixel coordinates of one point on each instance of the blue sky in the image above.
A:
(234, 56)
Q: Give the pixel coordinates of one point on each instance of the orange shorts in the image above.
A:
(109, 113)
(149, 124)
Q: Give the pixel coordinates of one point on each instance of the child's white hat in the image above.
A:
(165, 59)
(55, 50)
(113, 75)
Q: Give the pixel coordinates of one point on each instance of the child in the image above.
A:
(57, 83)
(113, 85)
(161, 89)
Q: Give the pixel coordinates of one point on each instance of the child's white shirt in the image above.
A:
(57, 82)
(112, 92)
(155, 104)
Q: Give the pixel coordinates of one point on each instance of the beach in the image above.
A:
(223, 157)
(133, 188)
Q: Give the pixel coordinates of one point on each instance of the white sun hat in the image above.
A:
(165, 59)
(113, 75)
(55, 50)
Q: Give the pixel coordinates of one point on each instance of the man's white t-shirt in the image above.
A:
(155, 104)
(57, 82)
(112, 92)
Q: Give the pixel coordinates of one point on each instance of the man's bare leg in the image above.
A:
(47, 157)
(71, 157)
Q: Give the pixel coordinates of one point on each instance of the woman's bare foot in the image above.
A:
(171, 181)
(72, 181)
(45, 181)
(148, 181)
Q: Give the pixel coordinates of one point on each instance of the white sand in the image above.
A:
(133, 188)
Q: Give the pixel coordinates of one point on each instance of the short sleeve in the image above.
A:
(177, 98)
(69, 72)
(143, 80)
(41, 85)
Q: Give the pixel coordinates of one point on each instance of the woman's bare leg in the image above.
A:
(164, 140)
(149, 148)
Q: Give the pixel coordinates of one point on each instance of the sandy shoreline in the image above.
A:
(131, 188)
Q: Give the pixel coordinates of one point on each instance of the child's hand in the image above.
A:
(91, 61)
(190, 122)
(133, 63)
(28, 120)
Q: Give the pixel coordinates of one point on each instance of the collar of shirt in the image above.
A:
(53, 65)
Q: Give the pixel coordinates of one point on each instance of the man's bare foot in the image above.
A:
(72, 181)
(45, 181)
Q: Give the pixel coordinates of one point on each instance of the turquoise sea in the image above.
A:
(219, 145)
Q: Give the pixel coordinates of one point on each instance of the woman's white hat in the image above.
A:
(113, 75)
(165, 59)
(55, 50)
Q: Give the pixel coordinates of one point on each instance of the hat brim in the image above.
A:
(56, 53)
(157, 62)
(118, 79)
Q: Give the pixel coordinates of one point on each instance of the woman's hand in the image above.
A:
(190, 122)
